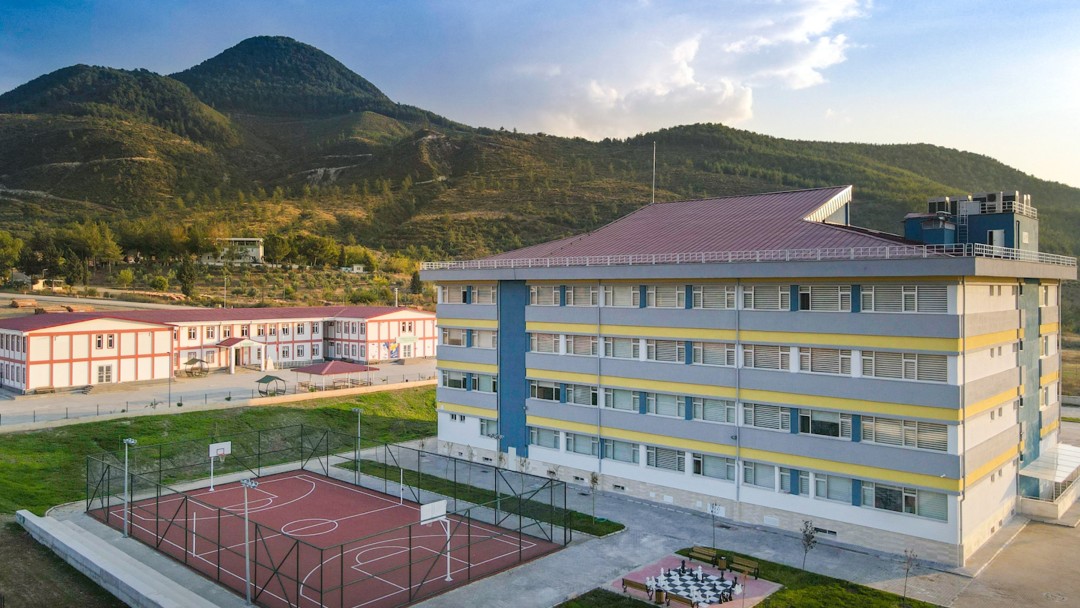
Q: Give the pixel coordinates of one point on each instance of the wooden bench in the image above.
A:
(636, 586)
(678, 600)
(746, 566)
(45, 389)
(707, 555)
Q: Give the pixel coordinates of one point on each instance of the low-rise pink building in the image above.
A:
(67, 350)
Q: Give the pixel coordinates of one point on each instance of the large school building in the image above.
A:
(68, 350)
(761, 357)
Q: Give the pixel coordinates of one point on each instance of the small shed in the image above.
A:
(342, 374)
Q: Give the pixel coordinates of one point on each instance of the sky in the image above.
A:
(994, 77)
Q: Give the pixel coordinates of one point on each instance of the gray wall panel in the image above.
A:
(466, 311)
(1049, 314)
(1049, 365)
(561, 314)
(995, 384)
(979, 455)
(989, 322)
(472, 398)
(447, 355)
(836, 450)
(871, 324)
(562, 363)
(868, 389)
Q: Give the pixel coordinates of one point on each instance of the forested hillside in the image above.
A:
(274, 137)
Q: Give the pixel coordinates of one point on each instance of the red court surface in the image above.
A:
(317, 541)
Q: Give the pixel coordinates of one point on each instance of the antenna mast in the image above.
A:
(654, 171)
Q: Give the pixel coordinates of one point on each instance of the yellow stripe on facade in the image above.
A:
(462, 366)
(992, 465)
(1050, 428)
(469, 323)
(467, 409)
(980, 342)
(801, 462)
(1048, 378)
(1049, 328)
(991, 402)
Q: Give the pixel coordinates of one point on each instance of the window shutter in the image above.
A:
(825, 297)
(667, 296)
(665, 350)
(889, 431)
(933, 436)
(933, 505)
(888, 298)
(933, 368)
(933, 298)
(888, 365)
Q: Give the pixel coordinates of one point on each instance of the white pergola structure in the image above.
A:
(335, 369)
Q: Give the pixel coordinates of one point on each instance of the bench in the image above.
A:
(45, 389)
(746, 566)
(636, 586)
(678, 600)
(707, 555)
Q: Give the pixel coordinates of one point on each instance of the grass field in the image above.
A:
(39, 469)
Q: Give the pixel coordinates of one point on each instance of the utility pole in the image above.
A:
(127, 488)
(252, 484)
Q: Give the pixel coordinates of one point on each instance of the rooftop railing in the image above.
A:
(884, 252)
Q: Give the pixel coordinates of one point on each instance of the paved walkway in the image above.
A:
(216, 389)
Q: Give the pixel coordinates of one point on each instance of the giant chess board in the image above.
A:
(706, 589)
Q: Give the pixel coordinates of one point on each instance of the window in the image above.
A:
(210, 333)
(767, 356)
(260, 330)
(923, 503)
(622, 348)
(619, 399)
(582, 444)
(300, 351)
(99, 341)
(245, 331)
(353, 329)
(407, 327)
(803, 487)
(664, 458)
(665, 296)
(714, 353)
(104, 374)
(623, 296)
(544, 295)
(906, 366)
(767, 297)
(285, 329)
(226, 332)
(581, 394)
(284, 352)
(453, 294)
(905, 298)
(354, 351)
(192, 333)
(760, 475)
(110, 341)
(273, 330)
(485, 338)
(314, 328)
(488, 428)
(714, 410)
(581, 345)
(664, 405)
(834, 298)
(483, 294)
(315, 351)
(714, 466)
(485, 383)
(622, 451)
(582, 295)
(831, 487)
(548, 391)
(453, 379)
(714, 296)
(544, 343)
(671, 351)
(905, 433)
(452, 336)
(825, 361)
(363, 347)
(827, 424)
(767, 416)
(545, 438)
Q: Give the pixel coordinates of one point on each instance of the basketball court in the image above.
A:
(314, 540)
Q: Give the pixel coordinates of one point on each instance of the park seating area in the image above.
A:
(714, 580)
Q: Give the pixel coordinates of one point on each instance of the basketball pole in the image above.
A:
(212, 458)
(127, 487)
(356, 475)
(446, 527)
(247, 483)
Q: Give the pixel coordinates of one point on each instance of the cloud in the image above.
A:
(654, 66)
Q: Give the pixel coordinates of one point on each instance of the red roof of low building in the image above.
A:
(333, 368)
(45, 321)
(757, 222)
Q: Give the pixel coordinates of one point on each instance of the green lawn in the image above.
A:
(603, 598)
(39, 469)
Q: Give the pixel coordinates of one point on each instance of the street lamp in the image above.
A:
(248, 484)
(356, 472)
(127, 488)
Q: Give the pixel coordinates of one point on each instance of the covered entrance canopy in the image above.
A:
(341, 373)
(1056, 469)
(240, 352)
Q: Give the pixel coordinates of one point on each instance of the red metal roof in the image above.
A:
(333, 368)
(769, 221)
(45, 321)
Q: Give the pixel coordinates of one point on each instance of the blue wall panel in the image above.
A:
(513, 343)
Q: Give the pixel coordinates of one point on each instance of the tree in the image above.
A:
(125, 278)
(594, 485)
(416, 286)
(809, 539)
(159, 283)
(10, 250)
(188, 275)
(277, 248)
(909, 562)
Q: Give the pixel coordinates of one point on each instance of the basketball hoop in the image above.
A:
(218, 452)
(436, 512)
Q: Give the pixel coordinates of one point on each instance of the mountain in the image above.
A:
(274, 136)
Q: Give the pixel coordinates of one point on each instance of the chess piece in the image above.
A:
(699, 573)
(682, 568)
